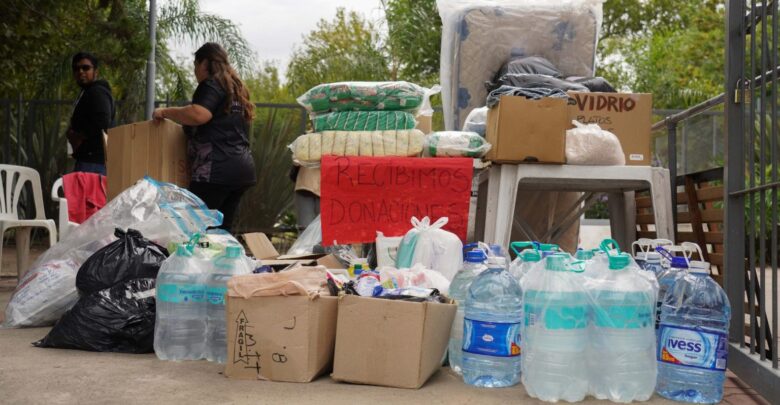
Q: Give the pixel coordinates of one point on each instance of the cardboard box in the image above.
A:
(133, 151)
(523, 130)
(627, 115)
(390, 343)
(262, 249)
(425, 123)
(280, 338)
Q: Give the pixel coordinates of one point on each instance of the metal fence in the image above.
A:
(751, 181)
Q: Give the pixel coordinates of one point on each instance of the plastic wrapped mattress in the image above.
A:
(479, 36)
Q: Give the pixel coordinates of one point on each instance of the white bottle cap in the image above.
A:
(698, 266)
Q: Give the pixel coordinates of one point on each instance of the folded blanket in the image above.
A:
(363, 96)
(309, 148)
(363, 121)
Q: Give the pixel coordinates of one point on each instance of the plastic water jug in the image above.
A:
(693, 346)
(180, 326)
(525, 261)
(232, 263)
(667, 278)
(555, 331)
(622, 334)
(472, 267)
(653, 263)
(491, 328)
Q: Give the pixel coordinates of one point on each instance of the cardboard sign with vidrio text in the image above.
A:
(627, 115)
(390, 343)
(146, 148)
(287, 339)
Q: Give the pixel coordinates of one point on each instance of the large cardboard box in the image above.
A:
(627, 115)
(523, 130)
(156, 149)
(390, 343)
(280, 338)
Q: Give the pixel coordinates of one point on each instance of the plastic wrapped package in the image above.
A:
(308, 239)
(588, 144)
(417, 276)
(308, 149)
(363, 121)
(363, 96)
(429, 245)
(455, 144)
(480, 36)
(477, 121)
(162, 212)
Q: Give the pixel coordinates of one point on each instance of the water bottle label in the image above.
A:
(624, 317)
(216, 295)
(553, 316)
(491, 338)
(181, 293)
(693, 348)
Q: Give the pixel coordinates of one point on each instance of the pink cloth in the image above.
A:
(86, 194)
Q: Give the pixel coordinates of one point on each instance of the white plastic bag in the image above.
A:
(417, 276)
(588, 144)
(386, 249)
(476, 121)
(455, 144)
(162, 212)
(431, 246)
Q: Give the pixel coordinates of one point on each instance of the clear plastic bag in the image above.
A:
(386, 249)
(417, 276)
(476, 121)
(429, 245)
(162, 212)
(480, 36)
(308, 239)
(455, 144)
(588, 144)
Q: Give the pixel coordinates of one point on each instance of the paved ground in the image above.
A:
(32, 375)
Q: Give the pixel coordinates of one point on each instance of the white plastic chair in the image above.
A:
(63, 220)
(12, 181)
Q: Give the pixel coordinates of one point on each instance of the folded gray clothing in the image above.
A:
(532, 93)
(534, 81)
(595, 84)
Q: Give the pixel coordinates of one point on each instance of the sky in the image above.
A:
(274, 27)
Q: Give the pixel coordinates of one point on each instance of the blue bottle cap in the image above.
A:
(476, 256)
(679, 262)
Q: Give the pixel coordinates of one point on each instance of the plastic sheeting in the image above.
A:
(480, 36)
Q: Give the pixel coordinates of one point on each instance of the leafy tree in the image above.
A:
(414, 38)
(347, 48)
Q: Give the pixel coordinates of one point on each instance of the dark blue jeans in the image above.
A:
(90, 167)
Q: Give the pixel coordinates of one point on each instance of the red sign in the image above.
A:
(363, 195)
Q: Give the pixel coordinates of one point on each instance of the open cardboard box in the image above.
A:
(262, 249)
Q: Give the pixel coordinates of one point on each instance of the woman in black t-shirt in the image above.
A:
(217, 124)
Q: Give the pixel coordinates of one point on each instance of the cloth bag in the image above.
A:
(429, 245)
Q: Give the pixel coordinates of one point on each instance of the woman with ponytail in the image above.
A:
(217, 124)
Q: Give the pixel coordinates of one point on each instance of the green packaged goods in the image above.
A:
(363, 121)
(363, 96)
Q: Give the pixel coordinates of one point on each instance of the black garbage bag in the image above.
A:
(118, 319)
(131, 256)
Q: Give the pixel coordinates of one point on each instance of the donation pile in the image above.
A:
(161, 212)
(361, 119)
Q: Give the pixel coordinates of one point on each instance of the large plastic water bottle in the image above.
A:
(491, 328)
(555, 333)
(667, 278)
(180, 327)
(472, 267)
(653, 263)
(693, 345)
(622, 338)
(525, 261)
(232, 263)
